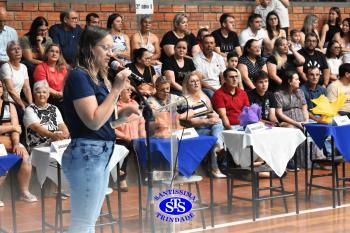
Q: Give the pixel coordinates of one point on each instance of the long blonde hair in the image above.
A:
(276, 54)
(85, 57)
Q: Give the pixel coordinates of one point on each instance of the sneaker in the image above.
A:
(217, 174)
(28, 197)
(2, 204)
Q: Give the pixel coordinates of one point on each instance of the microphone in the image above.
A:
(116, 66)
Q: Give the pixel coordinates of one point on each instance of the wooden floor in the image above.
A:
(315, 215)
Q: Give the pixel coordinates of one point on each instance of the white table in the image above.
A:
(275, 146)
(41, 157)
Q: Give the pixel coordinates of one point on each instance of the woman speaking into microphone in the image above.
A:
(89, 101)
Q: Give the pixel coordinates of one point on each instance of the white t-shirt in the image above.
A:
(247, 34)
(30, 117)
(17, 77)
(210, 69)
(335, 89)
(281, 11)
(333, 64)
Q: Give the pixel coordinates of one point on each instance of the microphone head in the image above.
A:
(115, 65)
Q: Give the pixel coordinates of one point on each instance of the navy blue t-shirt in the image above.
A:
(79, 85)
(68, 41)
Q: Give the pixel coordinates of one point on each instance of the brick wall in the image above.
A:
(20, 15)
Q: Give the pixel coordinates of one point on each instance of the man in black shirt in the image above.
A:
(226, 39)
(313, 58)
(265, 99)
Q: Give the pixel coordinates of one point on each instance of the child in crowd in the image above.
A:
(295, 40)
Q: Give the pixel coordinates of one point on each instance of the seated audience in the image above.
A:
(43, 121)
(295, 39)
(264, 98)
(253, 31)
(331, 27)
(312, 90)
(146, 39)
(178, 67)
(121, 41)
(132, 128)
(333, 59)
(343, 37)
(204, 119)
(54, 71)
(200, 35)
(141, 66)
(67, 35)
(92, 20)
(211, 65)
(291, 104)
(180, 31)
(313, 57)
(341, 86)
(232, 62)
(263, 8)
(226, 38)
(274, 31)
(250, 62)
(7, 34)
(229, 100)
(310, 26)
(10, 131)
(34, 43)
(15, 78)
(280, 61)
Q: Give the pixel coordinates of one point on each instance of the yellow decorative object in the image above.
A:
(327, 109)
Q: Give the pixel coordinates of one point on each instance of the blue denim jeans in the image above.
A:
(85, 165)
(213, 130)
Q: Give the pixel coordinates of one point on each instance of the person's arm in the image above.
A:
(17, 148)
(302, 39)
(287, 119)
(285, 3)
(326, 74)
(195, 49)
(94, 116)
(300, 70)
(36, 127)
(12, 92)
(272, 71)
(305, 112)
(27, 91)
(28, 55)
(134, 42)
(324, 31)
(245, 78)
(169, 49)
(298, 58)
(224, 118)
(63, 128)
(218, 51)
(238, 51)
(171, 77)
(206, 85)
(156, 54)
(272, 115)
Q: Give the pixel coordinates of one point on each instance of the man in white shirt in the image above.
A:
(7, 34)
(211, 65)
(253, 31)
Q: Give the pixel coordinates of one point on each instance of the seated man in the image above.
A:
(229, 100)
(42, 120)
(311, 89)
(264, 98)
(341, 86)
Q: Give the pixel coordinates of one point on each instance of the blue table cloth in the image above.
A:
(191, 151)
(341, 135)
(7, 162)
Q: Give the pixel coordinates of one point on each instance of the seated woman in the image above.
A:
(54, 71)
(280, 61)
(250, 62)
(132, 128)
(274, 31)
(334, 59)
(10, 131)
(15, 77)
(146, 39)
(34, 44)
(42, 120)
(141, 66)
(205, 120)
(178, 66)
(291, 106)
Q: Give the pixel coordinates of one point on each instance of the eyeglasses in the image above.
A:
(105, 48)
(337, 47)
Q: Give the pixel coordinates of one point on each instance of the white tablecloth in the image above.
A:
(41, 157)
(275, 146)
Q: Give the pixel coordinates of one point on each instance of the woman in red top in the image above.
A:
(53, 70)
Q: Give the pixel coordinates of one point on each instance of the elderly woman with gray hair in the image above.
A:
(180, 31)
(42, 120)
(15, 78)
